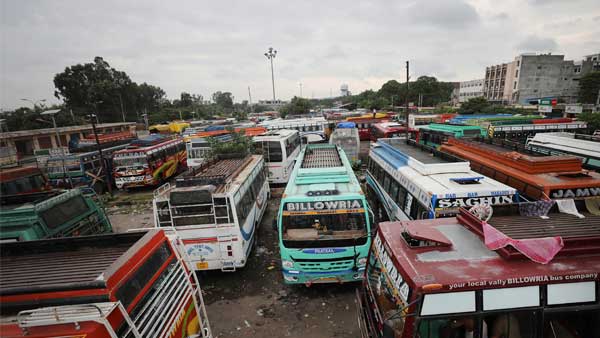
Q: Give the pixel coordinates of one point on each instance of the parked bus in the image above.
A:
(8, 157)
(441, 278)
(216, 210)
(104, 286)
(148, 161)
(586, 147)
(520, 132)
(81, 169)
(174, 127)
(280, 148)
(198, 145)
(311, 129)
(323, 220)
(19, 184)
(416, 121)
(346, 137)
(535, 177)
(365, 122)
(435, 134)
(387, 130)
(52, 214)
(409, 181)
(106, 140)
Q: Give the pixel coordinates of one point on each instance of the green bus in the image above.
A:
(324, 221)
(64, 213)
(435, 134)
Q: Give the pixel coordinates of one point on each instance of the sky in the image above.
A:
(205, 46)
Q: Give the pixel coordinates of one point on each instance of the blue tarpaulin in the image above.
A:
(346, 125)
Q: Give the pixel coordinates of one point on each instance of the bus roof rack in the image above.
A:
(321, 156)
(215, 172)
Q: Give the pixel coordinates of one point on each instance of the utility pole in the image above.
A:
(250, 100)
(107, 175)
(122, 110)
(407, 98)
(270, 54)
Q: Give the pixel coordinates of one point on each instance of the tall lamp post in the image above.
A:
(270, 54)
(107, 175)
(52, 113)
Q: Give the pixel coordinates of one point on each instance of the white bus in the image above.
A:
(216, 210)
(280, 149)
(410, 181)
(312, 129)
(347, 138)
(198, 148)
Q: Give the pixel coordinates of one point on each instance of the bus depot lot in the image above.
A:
(254, 301)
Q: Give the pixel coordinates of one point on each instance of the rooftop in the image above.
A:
(69, 129)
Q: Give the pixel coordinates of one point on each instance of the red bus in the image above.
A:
(387, 130)
(449, 278)
(119, 285)
(19, 184)
(149, 161)
(364, 123)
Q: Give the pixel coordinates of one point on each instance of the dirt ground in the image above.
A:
(254, 301)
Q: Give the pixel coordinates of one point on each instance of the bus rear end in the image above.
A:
(132, 169)
(323, 240)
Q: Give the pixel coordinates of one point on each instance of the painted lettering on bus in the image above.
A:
(523, 280)
(392, 272)
(469, 202)
(325, 205)
(323, 250)
(570, 193)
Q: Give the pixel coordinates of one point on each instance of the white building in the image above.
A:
(470, 89)
(344, 91)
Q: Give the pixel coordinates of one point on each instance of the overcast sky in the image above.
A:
(205, 46)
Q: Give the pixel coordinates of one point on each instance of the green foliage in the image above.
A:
(441, 109)
(589, 85)
(240, 146)
(223, 100)
(476, 105)
(25, 119)
(297, 106)
(592, 119)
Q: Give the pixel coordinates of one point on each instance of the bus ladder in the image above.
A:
(183, 257)
(76, 314)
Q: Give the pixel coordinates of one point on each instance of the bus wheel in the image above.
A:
(98, 188)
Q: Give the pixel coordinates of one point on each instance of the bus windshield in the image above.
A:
(130, 161)
(300, 230)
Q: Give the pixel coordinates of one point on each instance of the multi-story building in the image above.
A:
(344, 91)
(532, 76)
(470, 89)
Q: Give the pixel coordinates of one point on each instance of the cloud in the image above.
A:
(444, 14)
(535, 43)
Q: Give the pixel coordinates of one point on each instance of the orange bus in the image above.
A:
(535, 177)
(133, 284)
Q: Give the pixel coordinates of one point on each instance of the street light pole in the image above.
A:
(407, 98)
(62, 153)
(270, 54)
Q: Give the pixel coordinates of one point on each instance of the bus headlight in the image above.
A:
(362, 261)
(287, 264)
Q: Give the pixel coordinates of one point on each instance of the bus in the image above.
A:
(443, 278)
(53, 214)
(365, 122)
(520, 132)
(407, 181)
(535, 177)
(416, 121)
(81, 169)
(20, 184)
(387, 130)
(346, 137)
(105, 286)
(8, 157)
(585, 147)
(148, 161)
(105, 140)
(174, 127)
(311, 129)
(435, 134)
(216, 210)
(198, 145)
(323, 221)
(280, 149)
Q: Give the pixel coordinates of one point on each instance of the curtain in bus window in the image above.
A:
(64, 212)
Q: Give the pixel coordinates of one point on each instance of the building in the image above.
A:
(273, 104)
(534, 76)
(26, 142)
(470, 89)
(344, 91)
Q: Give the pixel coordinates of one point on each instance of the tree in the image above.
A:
(475, 105)
(592, 119)
(223, 100)
(186, 100)
(589, 87)
(297, 106)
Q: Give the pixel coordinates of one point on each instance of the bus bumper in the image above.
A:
(309, 278)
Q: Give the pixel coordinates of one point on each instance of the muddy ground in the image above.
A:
(254, 302)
